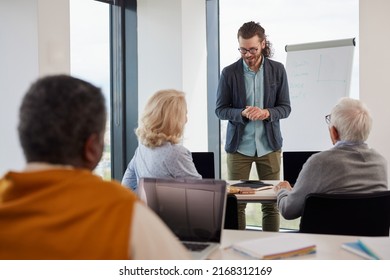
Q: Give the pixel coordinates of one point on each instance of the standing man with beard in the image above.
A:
(253, 96)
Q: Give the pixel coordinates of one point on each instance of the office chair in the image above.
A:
(347, 214)
(231, 215)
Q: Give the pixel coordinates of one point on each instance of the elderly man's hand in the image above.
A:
(282, 185)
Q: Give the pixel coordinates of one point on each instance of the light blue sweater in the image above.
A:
(166, 161)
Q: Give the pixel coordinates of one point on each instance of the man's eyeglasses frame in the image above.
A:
(327, 119)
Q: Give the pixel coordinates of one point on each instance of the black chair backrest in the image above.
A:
(347, 214)
(292, 164)
(231, 214)
(204, 163)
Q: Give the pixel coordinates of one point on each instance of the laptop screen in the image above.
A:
(204, 163)
(192, 209)
(292, 164)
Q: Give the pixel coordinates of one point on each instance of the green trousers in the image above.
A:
(268, 168)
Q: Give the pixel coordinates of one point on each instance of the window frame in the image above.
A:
(124, 82)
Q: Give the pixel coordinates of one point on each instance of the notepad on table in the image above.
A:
(376, 248)
(249, 187)
(354, 247)
(275, 247)
(245, 190)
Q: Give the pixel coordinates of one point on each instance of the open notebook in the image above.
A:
(275, 247)
(193, 209)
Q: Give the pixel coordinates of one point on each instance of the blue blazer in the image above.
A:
(231, 100)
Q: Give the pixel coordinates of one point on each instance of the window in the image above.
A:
(90, 58)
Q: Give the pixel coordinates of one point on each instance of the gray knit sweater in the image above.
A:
(342, 169)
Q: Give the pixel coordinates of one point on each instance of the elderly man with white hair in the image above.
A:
(348, 167)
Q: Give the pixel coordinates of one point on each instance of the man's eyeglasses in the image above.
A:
(251, 50)
(327, 119)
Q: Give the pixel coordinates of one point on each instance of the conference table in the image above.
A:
(261, 196)
(328, 247)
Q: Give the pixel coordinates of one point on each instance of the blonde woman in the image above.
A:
(159, 153)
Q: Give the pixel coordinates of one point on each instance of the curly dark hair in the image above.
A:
(250, 29)
(56, 117)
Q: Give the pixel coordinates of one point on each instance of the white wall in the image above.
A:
(34, 42)
(18, 67)
(54, 37)
(374, 70)
(172, 54)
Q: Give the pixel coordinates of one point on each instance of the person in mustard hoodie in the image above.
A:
(56, 208)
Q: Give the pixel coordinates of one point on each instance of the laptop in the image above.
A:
(293, 163)
(204, 163)
(193, 209)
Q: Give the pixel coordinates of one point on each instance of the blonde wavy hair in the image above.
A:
(163, 119)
